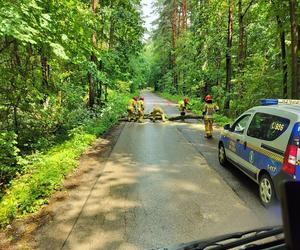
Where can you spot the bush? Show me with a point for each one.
(45, 172)
(8, 156)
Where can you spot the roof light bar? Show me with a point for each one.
(267, 102)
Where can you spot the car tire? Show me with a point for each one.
(222, 155)
(266, 190)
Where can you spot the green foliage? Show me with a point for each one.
(46, 49)
(45, 124)
(45, 172)
(200, 51)
(9, 156)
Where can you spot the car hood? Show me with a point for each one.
(229, 240)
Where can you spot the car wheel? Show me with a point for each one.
(266, 190)
(222, 155)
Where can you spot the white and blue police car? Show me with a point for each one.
(264, 143)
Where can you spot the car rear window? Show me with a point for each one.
(267, 127)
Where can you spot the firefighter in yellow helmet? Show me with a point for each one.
(208, 110)
(141, 109)
(157, 111)
(131, 108)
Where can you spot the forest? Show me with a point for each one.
(69, 67)
(239, 51)
(67, 70)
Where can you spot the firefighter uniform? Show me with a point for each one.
(140, 109)
(131, 108)
(208, 110)
(157, 111)
(182, 107)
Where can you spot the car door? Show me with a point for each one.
(245, 155)
(236, 138)
(265, 145)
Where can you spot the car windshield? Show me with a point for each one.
(138, 124)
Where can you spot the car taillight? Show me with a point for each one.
(290, 159)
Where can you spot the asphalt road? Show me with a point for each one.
(161, 185)
(246, 189)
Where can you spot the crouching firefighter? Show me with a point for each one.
(183, 106)
(131, 108)
(141, 109)
(157, 111)
(208, 110)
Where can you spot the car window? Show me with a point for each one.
(267, 127)
(240, 125)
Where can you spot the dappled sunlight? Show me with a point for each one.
(183, 186)
(155, 190)
(151, 169)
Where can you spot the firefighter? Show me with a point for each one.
(157, 111)
(131, 108)
(208, 110)
(140, 109)
(183, 106)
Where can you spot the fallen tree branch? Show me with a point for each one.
(184, 117)
(172, 118)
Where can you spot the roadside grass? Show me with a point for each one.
(196, 107)
(44, 173)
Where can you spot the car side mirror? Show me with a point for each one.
(227, 127)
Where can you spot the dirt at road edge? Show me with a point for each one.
(21, 233)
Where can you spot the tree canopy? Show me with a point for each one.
(237, 50)
(60, 59)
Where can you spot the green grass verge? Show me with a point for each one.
(44, 173)
(196, 107)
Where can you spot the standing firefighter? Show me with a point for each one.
(208, 110)
(140, 109)
(132, 108)
(183, 106)
(157, 111)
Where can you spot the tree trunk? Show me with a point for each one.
(283, 58)
(91, 90)
(228, 56)
(184, 15)
(174, 38)
(16, 124)
(93, 59)
(294, 49)
(45, 70)
(179, 22)
(241, 46)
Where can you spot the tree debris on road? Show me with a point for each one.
(172, 118)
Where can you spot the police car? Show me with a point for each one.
(264, 143)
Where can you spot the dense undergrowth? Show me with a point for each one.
(43, 173)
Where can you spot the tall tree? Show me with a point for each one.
(184, 17)
(228, 54)
(284, 65)
(94, 60)
(294, 49)
(241, 18)
(174, 40)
